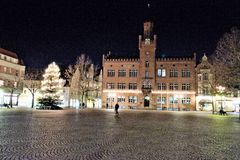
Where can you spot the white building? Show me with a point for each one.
(12, 72)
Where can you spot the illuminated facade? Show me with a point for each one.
(12, 72)
(148, 81)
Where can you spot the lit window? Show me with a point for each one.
(1, 82)
(173, 100)
(161, 72)
(110, 99)
(186, 100)
(132, 99)
(161, 100)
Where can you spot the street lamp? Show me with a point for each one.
(221, 90)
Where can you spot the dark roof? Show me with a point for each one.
(8, 53)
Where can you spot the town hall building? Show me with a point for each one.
(148, 81)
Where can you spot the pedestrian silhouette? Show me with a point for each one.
(116, 108)
(107, 105)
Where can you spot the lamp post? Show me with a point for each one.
(221, 90)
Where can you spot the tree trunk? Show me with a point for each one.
(213, 107)
(32, 100)
(11, 99)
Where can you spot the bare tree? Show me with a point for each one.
(226, 60)
(32, 82)
(14, 87)
(81, 78)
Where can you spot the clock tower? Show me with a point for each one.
(147, 46)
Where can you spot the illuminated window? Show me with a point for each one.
(161, 72)
(173, 100)
(132, 99)
(186, 100)
(110, 99)
(161, 100)
(147, 41)
(1, 82)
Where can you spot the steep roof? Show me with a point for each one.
(8, 53)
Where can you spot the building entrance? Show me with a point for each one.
(146, 101)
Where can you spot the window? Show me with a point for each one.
(186, 100)
(173, 73)
(186, 73)
(161, 100)
(147, 64)
(132, 86)
(205, 76)
(173, 100)
(16, 73)
(110, 99)
(162, 86)
(122, 73)
(132, 99)
(1, 82)
(161, 72)
(121, 86)
(205, 91)
(121, 99)
(146, 74)
(173, 86)
(110, 85)
(133, 73)
(110, 73)
(146, 84)
(186, 86)
(5, 69)
(147, 41)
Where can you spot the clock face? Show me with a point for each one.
(147, 53)
(147, 41)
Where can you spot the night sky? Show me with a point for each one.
(42, 31)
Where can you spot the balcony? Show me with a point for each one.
(146, 90)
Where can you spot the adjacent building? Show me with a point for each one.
(12, 72)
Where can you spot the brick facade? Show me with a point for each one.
(148, 81)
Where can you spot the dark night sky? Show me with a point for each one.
(41, 31)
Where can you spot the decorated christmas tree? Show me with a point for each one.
(51, 86)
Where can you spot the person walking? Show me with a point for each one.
(116, 108)
(107, 105)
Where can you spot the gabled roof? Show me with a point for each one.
(8, 53)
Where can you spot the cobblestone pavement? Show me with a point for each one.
(99, 134)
